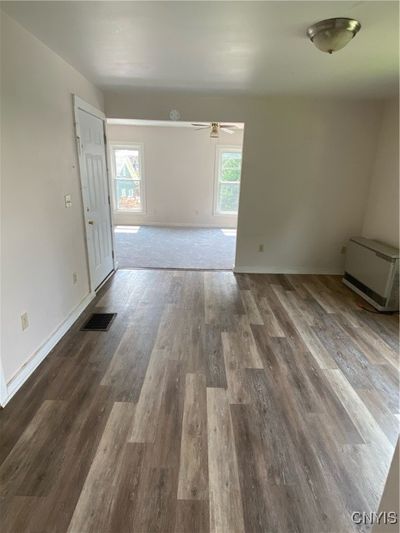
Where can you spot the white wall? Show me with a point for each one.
(381, 221)
(42, 242)
(305, 172)
(179, 173)
(305, 176)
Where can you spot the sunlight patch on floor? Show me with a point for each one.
(229, 232)
(126, 229)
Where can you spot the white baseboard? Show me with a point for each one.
(173, 225)
(285, 270)
(7, 390)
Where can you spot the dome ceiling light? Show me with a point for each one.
(331, 35)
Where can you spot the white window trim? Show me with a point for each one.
(218, 153)
(121, 145)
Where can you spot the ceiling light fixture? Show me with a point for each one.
(333, 34)
(214, 130)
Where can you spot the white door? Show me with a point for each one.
(95, 191)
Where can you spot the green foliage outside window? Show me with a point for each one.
(127, 182)
(229, 181)
(230, 166)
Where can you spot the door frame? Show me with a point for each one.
(80, 104)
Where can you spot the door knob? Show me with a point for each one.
(91, 222)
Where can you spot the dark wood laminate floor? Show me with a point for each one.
(257, 403)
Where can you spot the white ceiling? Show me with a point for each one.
(243, 47)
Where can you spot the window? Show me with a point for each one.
(128, 190)
(229, 162)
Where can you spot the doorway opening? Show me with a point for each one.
(175, 193)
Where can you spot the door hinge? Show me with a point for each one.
(112, 253)
(109, 200)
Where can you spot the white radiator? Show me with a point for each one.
(372, 271)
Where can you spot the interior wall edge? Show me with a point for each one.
(3, 385)
(26, 370)
(381, 212)
(43, 244)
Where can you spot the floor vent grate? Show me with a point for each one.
(99, 322)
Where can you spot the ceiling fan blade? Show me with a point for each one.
(202, 124)
(231, 126)
(226, 130)
(203, 128)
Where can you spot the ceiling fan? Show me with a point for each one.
(215, 127)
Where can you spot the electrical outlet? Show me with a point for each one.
(74, 278)
(260, 247)
(24, 321)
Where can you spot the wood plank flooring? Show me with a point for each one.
(215, 403)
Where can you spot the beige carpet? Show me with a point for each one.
(160, 247)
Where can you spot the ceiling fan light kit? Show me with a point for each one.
(215, 128)
(331, 35)
(214, 134)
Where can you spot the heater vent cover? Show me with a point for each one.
(372, 271)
